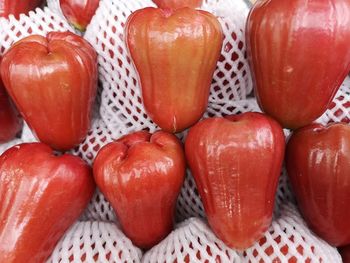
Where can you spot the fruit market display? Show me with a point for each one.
(174, 131)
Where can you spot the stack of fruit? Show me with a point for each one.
(298, 57)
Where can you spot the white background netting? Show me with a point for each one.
(288, 240)
(95, 242)
(120, 111)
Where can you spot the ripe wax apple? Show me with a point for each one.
(79, 12)
(41, 196)
(299, 55)
(175, 53)
(53, 81)
(141, 175)
(318, 165)
(236, 162)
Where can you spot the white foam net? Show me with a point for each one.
(287, 240)
(95, 242)
(339, 110)
(119, 110)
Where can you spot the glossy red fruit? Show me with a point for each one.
(175, 53)
(79, 12)
(299, 54)
(318, 165)
(141, 176)
(176, 4)
(17, 7)
(41, 195)
(345, 254)
(53, 83)
(10, 123)
(236, 162)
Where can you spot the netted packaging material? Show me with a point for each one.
(95, 242)
(192, 241)
(288, 240)
(339, 109)
(54, 5)
(40, 21)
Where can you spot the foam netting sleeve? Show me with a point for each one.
(40, 21)
(287, 240)
(95, 242)
(339, 109)
(54, 6)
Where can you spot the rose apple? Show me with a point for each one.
(318, 165)
(236, 162)
(41, 195)
(141, 175)
(299, 55)
(53, 83)
(79, 12)
(175, 53)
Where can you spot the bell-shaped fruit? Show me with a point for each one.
(318, 165)
(175, 53)
(53, 83)
(299, 55)
(141, 175)
(236, 162)
(41, 196)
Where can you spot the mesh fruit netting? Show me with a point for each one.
(95, 242)
(119, 110)
(287, 240)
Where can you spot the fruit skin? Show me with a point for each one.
(53, 83)
(17, 7)
(345, 254)
(176, 4)
(318, 165)
(236, 162)
(10, 123)
(79, 12)
(175, 53)
(299, 55)
(141, 175)
(41, 195)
